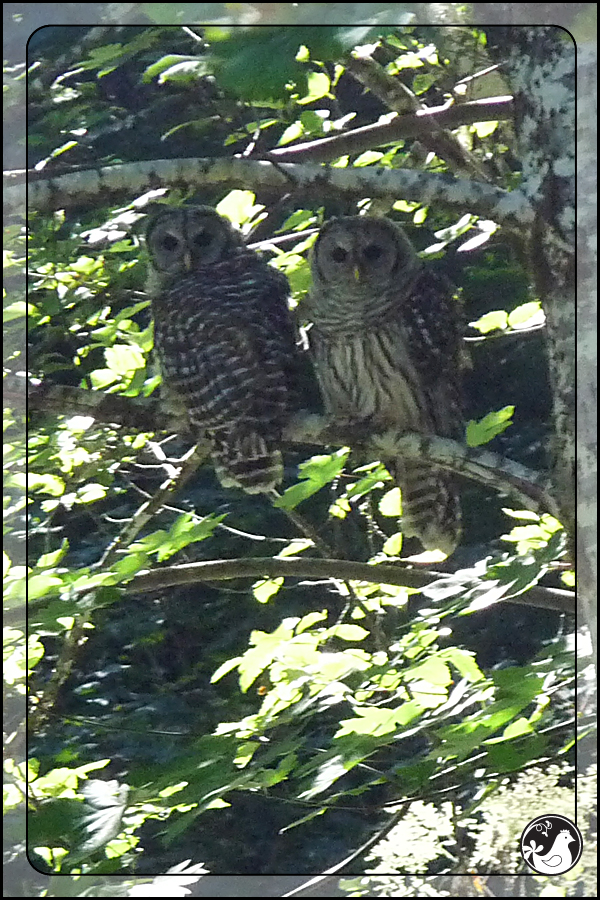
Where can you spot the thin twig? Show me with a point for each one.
(338, 868)
(307, 529)
(177, 478)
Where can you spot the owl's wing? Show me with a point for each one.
(433, 322)
(272, 330)
(219, 371)
(270, 304)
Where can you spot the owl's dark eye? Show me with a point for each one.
(372, 252)
(338, 254)
(170, 242)
(202, 239)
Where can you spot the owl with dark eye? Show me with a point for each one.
(225, 341)
(386, 347)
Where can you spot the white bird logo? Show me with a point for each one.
(557, 860)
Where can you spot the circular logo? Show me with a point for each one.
(551, 845)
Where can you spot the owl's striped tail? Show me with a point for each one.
(246, 460)
(430, 506)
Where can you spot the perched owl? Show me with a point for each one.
(225, 340)
(386, 343)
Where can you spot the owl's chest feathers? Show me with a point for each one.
(356, 310)
(368, 375)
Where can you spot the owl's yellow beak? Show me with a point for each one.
(187, 261)
(356, 273)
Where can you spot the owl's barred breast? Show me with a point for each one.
(224, 338)
(369, 376)
(217, 344)
(385, 344)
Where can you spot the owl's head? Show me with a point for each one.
(180, 241)
(355, 251)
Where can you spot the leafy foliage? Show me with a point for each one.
(322, 703)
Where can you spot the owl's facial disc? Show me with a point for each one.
(357, 262)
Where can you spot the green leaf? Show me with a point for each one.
(527, 315)
(124, 359)
(45, 484)
(258, 64)
(101, 378)
(128, 566)
(89, 493)
(309, 620)
(316, 472)
(298, 545)
(423, 82)
(368, 158)
(291, 133)
(239, 207)
(264, 590)
(534, 536)
(568, 578)
(414, 778)
(302, 218)
(18, 310)
(464, 661)
(313, 120)
(340, 508)
(484, 129)
(377, 476)
(391, 503)
(406, 61)
(393, 545)
(164, 63)
(515, 729)
(510, 757)
(185, 530)
(15, 586)
(348, 632)
(324, 468)
(259, 657)
(434, 671)
(60, 816)
(303, 820)
(86, 582)
(487, 428)
(318, 85)
(35, 651)
(86, 265)
(374, 721)
(405, 206)
(40, 585)
(497, 320)
(224, 669)
(150, 542)
(184, 72)
(47, 560)
(264, 64)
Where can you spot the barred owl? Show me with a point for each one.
(385, 343)
(225, 340)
